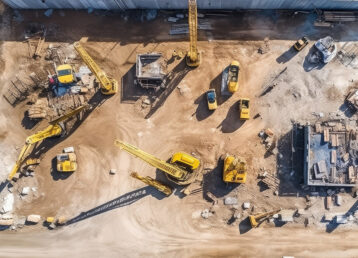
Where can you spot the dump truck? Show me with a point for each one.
(233, 76)
(244, 109)
(235, 169)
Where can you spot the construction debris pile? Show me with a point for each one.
(331, 154)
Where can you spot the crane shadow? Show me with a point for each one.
(332, 225)
(232, 121)
(121, 201)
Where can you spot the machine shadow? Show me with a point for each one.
(287, 56)
(121, 201)
(232, 121)
(202, 112)
(213, 182)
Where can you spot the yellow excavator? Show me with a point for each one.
(152, 182)
(109, 86)
(54, 129)
(193, 58)
(182, 168)
(255, 220)
(235, 169)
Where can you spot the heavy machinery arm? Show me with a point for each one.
(152, 182)
(170, 169)
(109, 86)
(54, 129)
(256, 219)
(193, 56)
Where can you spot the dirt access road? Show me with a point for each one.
(116, 215)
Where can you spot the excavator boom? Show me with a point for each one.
(152, 182)
(54, 129)
(193, 57)
(109, 86)
(170, 169)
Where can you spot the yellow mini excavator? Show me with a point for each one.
(235, 169)
(255, 220)
(152, 182)
(193, 55)
(109, 86)
(54, 129)
(182, 168)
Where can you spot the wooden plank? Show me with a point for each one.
(334, 140)
(318, 128)
(351, 175)
(333, 156)
(326, 135)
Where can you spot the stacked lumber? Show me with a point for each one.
(39, 109)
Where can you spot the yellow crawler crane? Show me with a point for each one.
(152, 182)
(54, 129)
(181, 170)
(109, 86)
(193, 56)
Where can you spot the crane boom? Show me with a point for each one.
(152, 182)
(193, 56)
(170, 169)
(109, 86)
(54, 129)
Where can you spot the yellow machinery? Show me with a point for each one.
(255, 220)
(152, 182)
(244, 109)
(193, 56)
(65, 74)
(66, 162)
(181, 169)
(54, 129)
(109, 86)
(233, 76)
(235, 169)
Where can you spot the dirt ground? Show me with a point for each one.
(115, 215)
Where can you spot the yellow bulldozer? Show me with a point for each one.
(235, 169)
(67, 161)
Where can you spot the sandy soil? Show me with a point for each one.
(138, 221)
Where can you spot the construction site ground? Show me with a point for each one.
(136, 220)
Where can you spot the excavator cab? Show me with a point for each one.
(235, 169)
(185, 159)
(65, 74)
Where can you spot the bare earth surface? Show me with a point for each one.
(138, 221)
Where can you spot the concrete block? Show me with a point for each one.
(25, 190)
(33, 218)
(8, 203)
(246, 205)
(341, 219)
(69, 149)
(230, 201)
